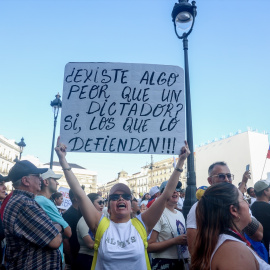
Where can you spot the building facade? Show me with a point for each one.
(149, 176)
(86, 178)
(9, 152)
(105, 188)
(238, 151)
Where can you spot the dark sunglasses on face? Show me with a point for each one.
(115, 197)
(222, 176)
(100, 202)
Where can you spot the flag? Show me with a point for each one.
(268, 153)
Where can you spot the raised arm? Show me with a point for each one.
(245, 178)
(89, 212)
(151, 216)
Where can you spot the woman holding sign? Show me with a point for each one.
(120, 243)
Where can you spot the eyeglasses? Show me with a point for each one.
(115, 197)
(245, 200)
(222, 176)
(100, 202)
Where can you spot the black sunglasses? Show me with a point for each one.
(115, 197)
(100, 202)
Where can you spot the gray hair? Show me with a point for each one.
(17, 183)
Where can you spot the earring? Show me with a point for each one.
(238, 218)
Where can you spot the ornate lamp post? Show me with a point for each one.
(183, 16)
(56, 105)
(21, 144)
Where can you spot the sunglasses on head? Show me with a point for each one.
(100, 202)
(115, 197)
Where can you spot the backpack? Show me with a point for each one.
(103, 226)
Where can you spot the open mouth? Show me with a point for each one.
(121, 206)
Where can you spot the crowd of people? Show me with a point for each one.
(227, 228)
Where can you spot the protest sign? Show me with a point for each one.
(66, 200)
(123, 108)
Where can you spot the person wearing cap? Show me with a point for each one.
(121, 245)
(200, 191)
(219, 172)
(48, 187)
(168, 241)
(154, 193)
(32, 239)
(261, 209)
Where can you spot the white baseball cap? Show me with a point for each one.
(50, 174)
(153, 191)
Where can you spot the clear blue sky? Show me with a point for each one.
(228, 58)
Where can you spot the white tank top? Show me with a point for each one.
(223, 237)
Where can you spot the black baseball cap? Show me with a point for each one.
(3, 178)
(163, 185)
(24, 168)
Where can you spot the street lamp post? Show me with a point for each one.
(56, 105)
(21, 144)
(183, 16)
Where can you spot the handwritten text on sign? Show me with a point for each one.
(123, 108)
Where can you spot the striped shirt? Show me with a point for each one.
(28, 231)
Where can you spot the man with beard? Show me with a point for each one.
(48, 187)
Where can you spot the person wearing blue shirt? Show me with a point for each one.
(48, 187)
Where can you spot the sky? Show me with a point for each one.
(228, 64)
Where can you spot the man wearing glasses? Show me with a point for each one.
(32, 239)
(219, 172)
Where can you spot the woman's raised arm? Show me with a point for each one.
(89, 212)
(151, 216)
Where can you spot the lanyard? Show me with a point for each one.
(240, 236)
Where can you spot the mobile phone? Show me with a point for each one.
(247, 167)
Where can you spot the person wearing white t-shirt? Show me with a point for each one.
(181, 199)
(121, 246)
(219, 172)
(168, 241)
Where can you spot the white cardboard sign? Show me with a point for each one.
(123, 108)
(66, 200)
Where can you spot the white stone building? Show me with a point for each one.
(237, 151)
(85, 177)
(9, 151)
